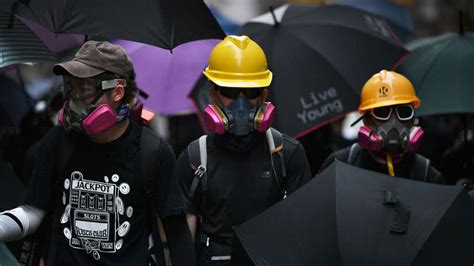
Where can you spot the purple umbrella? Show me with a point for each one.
(167, 77)
(55, 42)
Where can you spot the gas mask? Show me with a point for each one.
(91, 118)
(240, 117)
(390, 133)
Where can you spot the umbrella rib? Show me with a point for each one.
(348, 28)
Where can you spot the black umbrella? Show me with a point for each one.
(352, 216)
(321, 57)
(162, 23)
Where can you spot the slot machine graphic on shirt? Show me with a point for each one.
(95, 213)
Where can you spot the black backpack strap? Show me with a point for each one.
(420, 168)
(149, 149)
(197, 152)
(277, 159)
(353, 153)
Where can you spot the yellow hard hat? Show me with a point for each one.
(238, 62)
(387, 88)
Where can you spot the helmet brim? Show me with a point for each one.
(233, 81)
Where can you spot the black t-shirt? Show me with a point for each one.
(364, 160)
(241, 183)
(100, 200)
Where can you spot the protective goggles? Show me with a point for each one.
(233, 93)
(404, 112)
(79, 89)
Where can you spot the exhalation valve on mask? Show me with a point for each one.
(240, 114)
(240, 117)
(391, 137)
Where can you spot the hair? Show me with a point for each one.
(130, 90)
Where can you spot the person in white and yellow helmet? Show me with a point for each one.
(243, 166)
(389, 139)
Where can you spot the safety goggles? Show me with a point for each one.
(233, 93)
(83, 88)
(404, 112)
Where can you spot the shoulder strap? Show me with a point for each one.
(197, 152)
(149, 148)
(420, 168)
(276, 148)
(353, 153)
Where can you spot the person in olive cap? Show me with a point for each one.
(102, 177)
(243, 166)
(389, 139)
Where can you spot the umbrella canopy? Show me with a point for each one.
(352, 216)
(320, 57)
(19, 44)
(441, 70)
(56, 43)
(157, 22)
(26, 42)
(397, 15)
(167, 77)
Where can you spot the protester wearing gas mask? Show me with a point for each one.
(242, 166)
(101, 178)
(388, 140)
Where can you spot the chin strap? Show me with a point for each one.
(391, 172)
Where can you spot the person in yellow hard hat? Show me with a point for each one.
(389, 139)
(242, 166)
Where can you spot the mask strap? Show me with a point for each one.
(391, 172)
(96, 98)
(358, 119)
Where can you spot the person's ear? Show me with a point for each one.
(118, 93)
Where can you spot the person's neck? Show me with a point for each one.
(111, 134)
